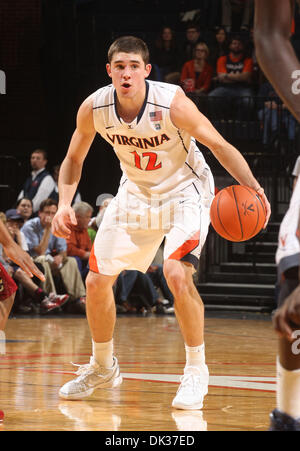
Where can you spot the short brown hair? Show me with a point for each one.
(47, 203)
(42, 151)
(129, 44)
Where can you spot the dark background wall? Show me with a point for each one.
(54, 53)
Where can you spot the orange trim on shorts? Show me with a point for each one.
(186, 247)
(93, 261)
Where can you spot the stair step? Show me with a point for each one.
(237, 301)
(239, 308)
(262, 257)
(272, 227)
(241, 267)
(246, 277)
(261, 246)
(267, 236)
(236, 288)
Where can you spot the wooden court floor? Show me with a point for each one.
(240, 354)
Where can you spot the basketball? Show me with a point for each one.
(237, 213)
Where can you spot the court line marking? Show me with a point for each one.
(245, 382)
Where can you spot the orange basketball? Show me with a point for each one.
(237, 213)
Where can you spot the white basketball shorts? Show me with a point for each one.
(134, 227)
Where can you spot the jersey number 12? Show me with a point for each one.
(151, 164)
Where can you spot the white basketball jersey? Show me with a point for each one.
(155, 156)
(288, 242)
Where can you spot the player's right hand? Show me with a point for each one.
(22, 259)
(267, 205)
(64, 218)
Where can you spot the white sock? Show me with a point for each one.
(195, 357)
(103, 353)
(288, 391)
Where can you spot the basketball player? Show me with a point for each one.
(273, 20)
(153, 128)
(8, 287)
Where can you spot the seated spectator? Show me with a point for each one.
(237, 15)
(79, 244)
(274, 116)
(14, 222)
(234, 76)
(156, 274)
(46, 304)
(257, 74)
(134, 293)
(61, 272)
(196, 74)
(54, 194)
(24, 207)
(192, 37)
(40, 184)
(102, 203)
(164, 57)
(218, 47)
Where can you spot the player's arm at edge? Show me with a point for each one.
(185, 115)
(71, 167)
(17, 254)
(274, 51)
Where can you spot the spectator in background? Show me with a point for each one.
(61, 272)
(25, 208)
(135, 292)
(102, 202)
(237, 15)
(14, 222)
(79, 244)
(234, 77)
(218, 47)
(40, 184)
(192, 37)
(54, 193)
(257, 74)
(273, 115)
(165, 57)
(165, 304)
(196, 74)
(8, 287)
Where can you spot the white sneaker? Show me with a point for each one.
(90, 377)
(193, 387)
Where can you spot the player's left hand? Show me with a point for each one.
(287, 317)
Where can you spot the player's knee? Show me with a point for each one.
(98, 285)
(176, 277)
